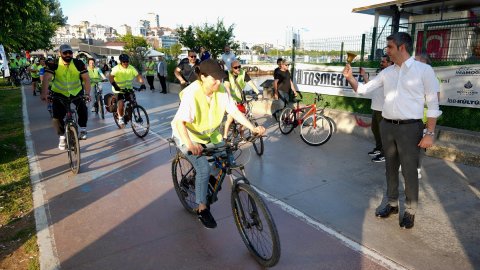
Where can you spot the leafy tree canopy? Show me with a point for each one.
(213, 37)
(136, 48)
(29, 24)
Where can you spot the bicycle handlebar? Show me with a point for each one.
(232, 146)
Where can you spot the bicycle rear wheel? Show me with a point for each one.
(286, 120)
(183, 176)
(140, 121)
(316, 130)
(255, 225)
(73, 148)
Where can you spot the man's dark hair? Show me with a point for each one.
(279, 60)
(400, 38)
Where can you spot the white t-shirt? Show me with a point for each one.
(228, 59)
(187, 110)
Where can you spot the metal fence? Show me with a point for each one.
(445, 40)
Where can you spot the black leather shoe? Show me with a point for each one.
(386, 211)
(407, 220)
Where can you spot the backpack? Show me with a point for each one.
(109, 101)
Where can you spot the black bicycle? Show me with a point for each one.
(72, 143)
(252, 217)
(98, 105)
(134, 113)
(237, 132)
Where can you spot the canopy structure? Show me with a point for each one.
(154, 53)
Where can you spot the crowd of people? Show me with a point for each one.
(212, 88)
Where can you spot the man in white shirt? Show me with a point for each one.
(407, 85)
(227, 58)
(162, 74)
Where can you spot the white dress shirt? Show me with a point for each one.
(405, 90)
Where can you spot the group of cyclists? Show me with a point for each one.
(203, 104)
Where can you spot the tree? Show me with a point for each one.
(258, 49)
(29, 24)
(136, 48)
(213, 37)
(175, 50)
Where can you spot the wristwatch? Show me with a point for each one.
(431, 133)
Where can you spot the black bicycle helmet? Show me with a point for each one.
(123, 57)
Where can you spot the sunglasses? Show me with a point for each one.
(237, 67)
(192, 56)
(67, 52)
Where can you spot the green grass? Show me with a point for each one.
(16, 202)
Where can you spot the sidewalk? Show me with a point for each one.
(121, 212)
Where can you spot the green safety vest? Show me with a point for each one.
(237, 93)
(37, 68)
(67, 80)
(150, 65)
(208, 117)
(123, 77)
(94, 75)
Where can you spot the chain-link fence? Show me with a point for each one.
(445, 40)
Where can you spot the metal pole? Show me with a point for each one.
(362, 51)
(374, 38)
(341, 53)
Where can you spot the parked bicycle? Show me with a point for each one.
(134, 113)
(72, 143)
(98, 102)
(252, 217)
(315, 127)
(237, 132)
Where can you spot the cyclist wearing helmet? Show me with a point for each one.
(121, 79)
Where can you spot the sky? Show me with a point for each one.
(255, 21)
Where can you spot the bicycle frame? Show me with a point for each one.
(312, 108)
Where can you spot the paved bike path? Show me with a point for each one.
(121, 211)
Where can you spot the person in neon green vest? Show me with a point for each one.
(202, 107)
(70, 79)
(96, 76)
(237, 80)
(35, 72)
(150, 72)
(121, 79)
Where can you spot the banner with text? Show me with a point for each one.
(459, 85)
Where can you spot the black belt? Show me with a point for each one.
(400, 122)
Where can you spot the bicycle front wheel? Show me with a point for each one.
(115, 118)
(286, 120)
(73, 148)
(140, 121)
(258, 143)
(255, 225)
(316, 130)
(183, 176)
(100, 108)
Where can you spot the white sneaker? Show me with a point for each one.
(93, 109)
(120, 121)
(61, 143)
(419, 173)
(83, 134)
